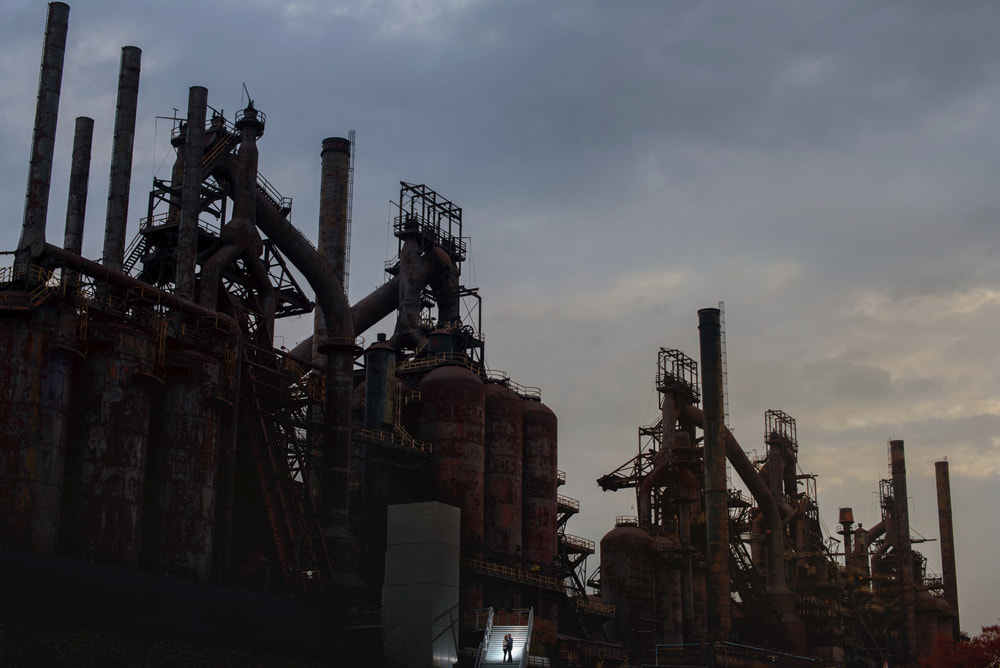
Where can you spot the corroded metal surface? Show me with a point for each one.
(34, 401)
(183, 465)
(504, 443)
(44, 138)
(540, 482)
(121, 157)
(452, 418)
(106, 450)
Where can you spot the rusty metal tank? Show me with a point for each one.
(669, 613)
(504, 443)
(106, 452)
(452, 419)
(34, 404)
(628, 581)
(183, 466)
(540, 482)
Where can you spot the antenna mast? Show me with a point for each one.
(350, 205)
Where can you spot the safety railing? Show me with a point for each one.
(567, 504)
(523, 391)
(485, 644)
(578, 543)
(594, 606)
(527, 639)
(514, 574)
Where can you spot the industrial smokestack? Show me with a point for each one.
(187, 234)
(716, 511)
(36, 204)
(79, 176)
(945, 529)
(121, 158)
(336, 161)
(901, 517)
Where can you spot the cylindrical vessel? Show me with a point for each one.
(183, 466)
(106, 452)
(539, 498)
(380, 386)
(669, 597)
(504, 444)
(628, 581)
(452, 419)
(34, 404)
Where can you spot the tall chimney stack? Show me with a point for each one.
(43, 140)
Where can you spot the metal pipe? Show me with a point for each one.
(76, 205)
(121, 158)
(339, 349)
(761, 494)
(380, 380)
(901, 517)
(947, 535)
(43, 139)
(332, 243)
(193, 152)
(716, 510)
(382, 301)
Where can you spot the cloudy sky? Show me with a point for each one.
(829, 170)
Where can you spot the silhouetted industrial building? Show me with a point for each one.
(177, 490)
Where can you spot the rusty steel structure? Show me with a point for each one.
(791, 596)
(151, 429)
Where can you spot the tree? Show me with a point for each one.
(983, 651)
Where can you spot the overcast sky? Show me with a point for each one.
(829, 170)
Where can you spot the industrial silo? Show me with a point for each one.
(540, 480)
(106, 452)
(452, 419)
(183, 466)
(34, 403)
(504, 443)
(628, 581)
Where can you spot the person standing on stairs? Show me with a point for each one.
(508, 648)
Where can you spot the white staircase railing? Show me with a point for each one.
(485, 644)
(527, 639)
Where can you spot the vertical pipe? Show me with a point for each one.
(380, 381)
(43, 139)
(716, 511)
(332, 243)
(902, 522)
(76, 206)
(121, 158)
(945, 528)
(194, 149)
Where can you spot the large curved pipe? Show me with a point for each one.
(339, 322)
(379, 303)
(758, 489)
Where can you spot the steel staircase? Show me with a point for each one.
(491, 650)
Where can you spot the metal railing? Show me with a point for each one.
(485, 644)
(527, 639)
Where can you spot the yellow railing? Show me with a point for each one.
(514, 574)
